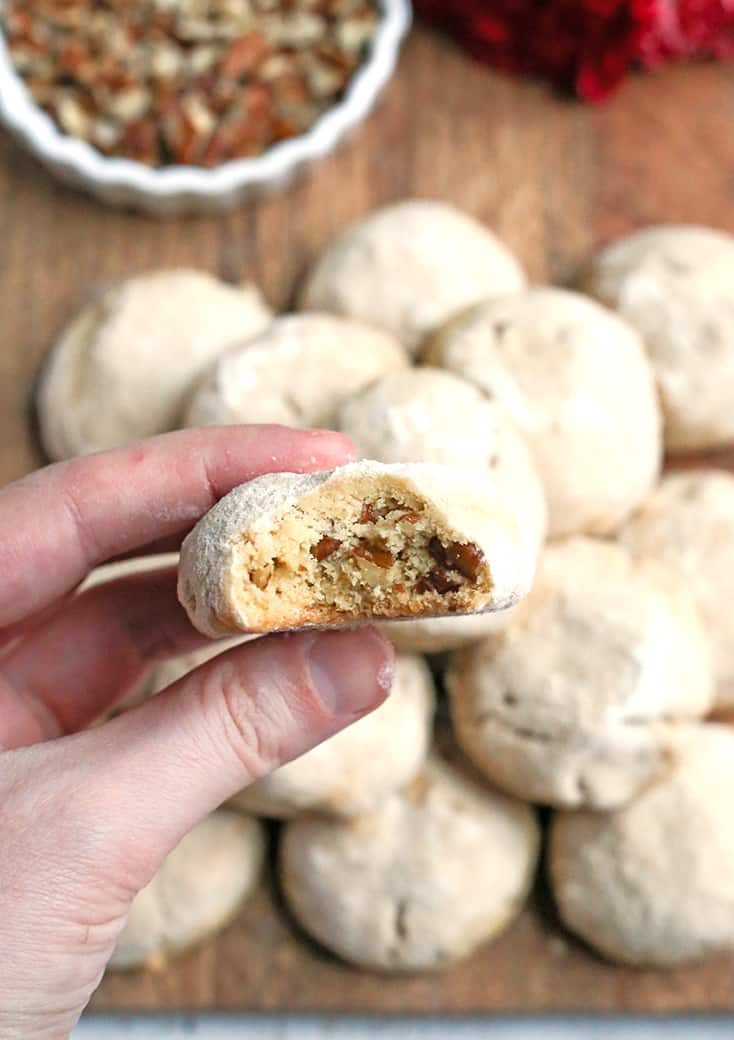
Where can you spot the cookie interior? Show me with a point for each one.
(367, 548)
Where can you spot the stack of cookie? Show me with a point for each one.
(419, 337)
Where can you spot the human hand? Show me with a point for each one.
(88, 815)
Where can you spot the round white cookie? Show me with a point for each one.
(689, 523)
(575, 380)
(198, 890)
(576, 702)
(123, 369)
(357, 769)
(676, 285)
(296, 372)
(122, 569)
(433, 872)
(409, 267)
(653, 884)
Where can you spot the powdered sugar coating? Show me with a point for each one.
(653, 883)
(688, 522)
(577, 701)
(123, 368)
(434, 871)
(676, 286)
(296, 372)
(409, 267)
(575, 381)
(197, 890)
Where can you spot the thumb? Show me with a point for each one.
(157, 770)
(88, 819)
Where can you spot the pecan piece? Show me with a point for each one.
(368, 515)
(244, 55)
(376, 554)
(465, 557)
(325, 547)
(438, 580)
(437, 550)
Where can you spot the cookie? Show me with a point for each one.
(575, 381)
(676, 286)
(409, 267)
(122, 569)
(428, 415)
(357, 769)
(296, 372)
(437, 635)
(653, 884)
(420, 882)
(364, 541)
(197, 891)
(689, 523)
(123, 369)
(576, 702)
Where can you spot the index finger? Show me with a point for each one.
(59, 522)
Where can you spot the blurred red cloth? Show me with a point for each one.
(585, 46)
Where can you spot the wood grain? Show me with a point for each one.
(554, 179)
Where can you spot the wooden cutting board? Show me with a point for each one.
(554, 179)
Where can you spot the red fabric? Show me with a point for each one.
(685, 28)
(585, 46)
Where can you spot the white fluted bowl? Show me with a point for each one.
(191, 189)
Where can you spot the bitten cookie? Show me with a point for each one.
(409, 267)
(676, 285)
(364, 541)
(689, 523)
(123, 368)
(357, 769)
(296, 372)
(198, 890)
(653, 884)
(575, 380)
(576, 702)
(433, 872)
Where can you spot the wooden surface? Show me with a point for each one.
(554, 179)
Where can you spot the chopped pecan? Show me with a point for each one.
(437, 580)
(368, 515)
(119, 64)
(465, 557)
(325, 547)
(377, 554)
(437, 550)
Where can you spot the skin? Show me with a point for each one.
(88, 815)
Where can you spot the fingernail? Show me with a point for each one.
(351, 672)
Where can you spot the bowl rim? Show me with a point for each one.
(20, 114)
